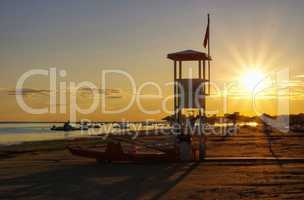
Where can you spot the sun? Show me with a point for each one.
(250, 79)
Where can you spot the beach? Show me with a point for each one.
(236, 167)
(148, 100)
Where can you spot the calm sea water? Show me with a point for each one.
(13, 133)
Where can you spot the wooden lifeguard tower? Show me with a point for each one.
(190, 93)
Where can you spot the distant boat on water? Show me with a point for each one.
(68, 127)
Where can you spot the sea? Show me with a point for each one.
(15, 133)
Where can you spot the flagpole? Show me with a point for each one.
(208, 35)
(209, 53)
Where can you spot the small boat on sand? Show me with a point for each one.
(115, 153)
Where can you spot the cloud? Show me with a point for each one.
(28, 92)
(101, 91)
(109, 93)
(45, 92)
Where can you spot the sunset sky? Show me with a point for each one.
(249, 38)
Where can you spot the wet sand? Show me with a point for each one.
(56, 174)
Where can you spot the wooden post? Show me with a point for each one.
(180, 69)
(208, 77)
(175, 85)
(179, 94)
(204, 99)
(204, 77)
(200, 109)
(199, 69)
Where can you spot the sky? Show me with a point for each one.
(86, 37)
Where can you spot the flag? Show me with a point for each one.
(206, 39)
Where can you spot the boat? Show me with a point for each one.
(68, 127)
(114, 153)
(60, 128)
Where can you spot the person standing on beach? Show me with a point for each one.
(203, 141)
(267, 130)
(184, 141)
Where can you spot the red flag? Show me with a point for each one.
(206, 39)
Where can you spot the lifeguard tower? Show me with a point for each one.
(190, 93)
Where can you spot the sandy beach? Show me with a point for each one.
(235, 168)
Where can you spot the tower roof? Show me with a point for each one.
(188, 55)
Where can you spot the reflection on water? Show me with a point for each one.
(252, 124)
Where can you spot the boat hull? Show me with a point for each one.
(103, 156)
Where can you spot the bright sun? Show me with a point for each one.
(250, 79)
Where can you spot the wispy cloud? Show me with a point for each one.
(28, 91)
(109, 93)
(101, 91)
(83, 92)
